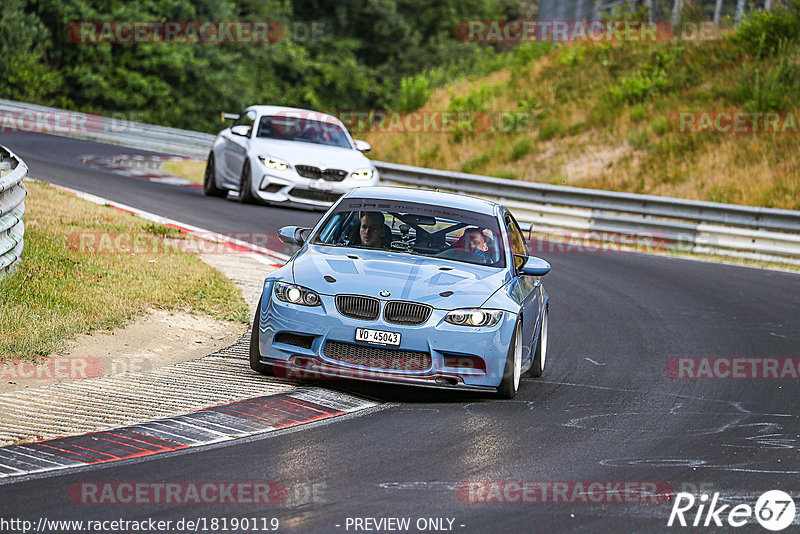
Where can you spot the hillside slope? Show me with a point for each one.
(666, 118)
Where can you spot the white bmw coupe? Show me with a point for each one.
(273, 154)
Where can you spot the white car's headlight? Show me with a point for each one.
(296, 294)
(362, 174)
(474, 317)
(274, 163)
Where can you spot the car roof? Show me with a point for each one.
(423, 196)
(296, 112)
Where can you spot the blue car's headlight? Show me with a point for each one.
(295, 294)
(274, 163)
(474, 317)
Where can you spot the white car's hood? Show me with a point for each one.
(299, 153)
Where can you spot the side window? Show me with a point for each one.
(246, 119)
(517, 241)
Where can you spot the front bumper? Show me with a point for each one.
(288, 186)
(447, 346)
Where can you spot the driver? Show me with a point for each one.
(475, 242)
(372, 230)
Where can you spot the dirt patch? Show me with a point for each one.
(157, 339)
(594, 163)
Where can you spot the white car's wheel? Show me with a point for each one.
(210, 182)
(245, 193)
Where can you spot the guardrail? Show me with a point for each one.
(12, 208)
(23, 117)
(695, 226)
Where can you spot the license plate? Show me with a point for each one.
(378, 337)
(321, 185)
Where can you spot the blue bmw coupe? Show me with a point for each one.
(410, 287)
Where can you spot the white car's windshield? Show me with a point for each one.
(418, 229)
(288, 128)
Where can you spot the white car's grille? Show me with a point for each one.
(315, 173)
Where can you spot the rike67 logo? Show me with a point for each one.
(774, 510)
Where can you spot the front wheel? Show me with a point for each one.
(245, 194)
(255, 353)
(537, 367)
(513, 369)
(210, 188)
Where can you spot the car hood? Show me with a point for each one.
(298, 153)
(406, 277)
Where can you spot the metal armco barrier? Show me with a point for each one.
(12, 208)
(23, 117)
(690, 225)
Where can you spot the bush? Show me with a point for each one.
(647, 81)
(476, 164)
(639, 87)
(660, 126)
(549, 129)
(520, 149)
(771, 87)
(414, 92)
(762, 32)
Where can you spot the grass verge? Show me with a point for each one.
(191, 170)
(63, 288)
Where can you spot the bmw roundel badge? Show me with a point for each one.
(385, 293)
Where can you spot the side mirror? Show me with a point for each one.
(533, 266)
(293, 235)
(229, 116)
(241, 129)
(526, 229)
(362, 146)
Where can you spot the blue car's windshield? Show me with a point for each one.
(288, 128)
(421, 229)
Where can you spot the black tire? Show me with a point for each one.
(245, 194)
(209, 180)
(510, 383)
(540, 356)
(255, 354)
